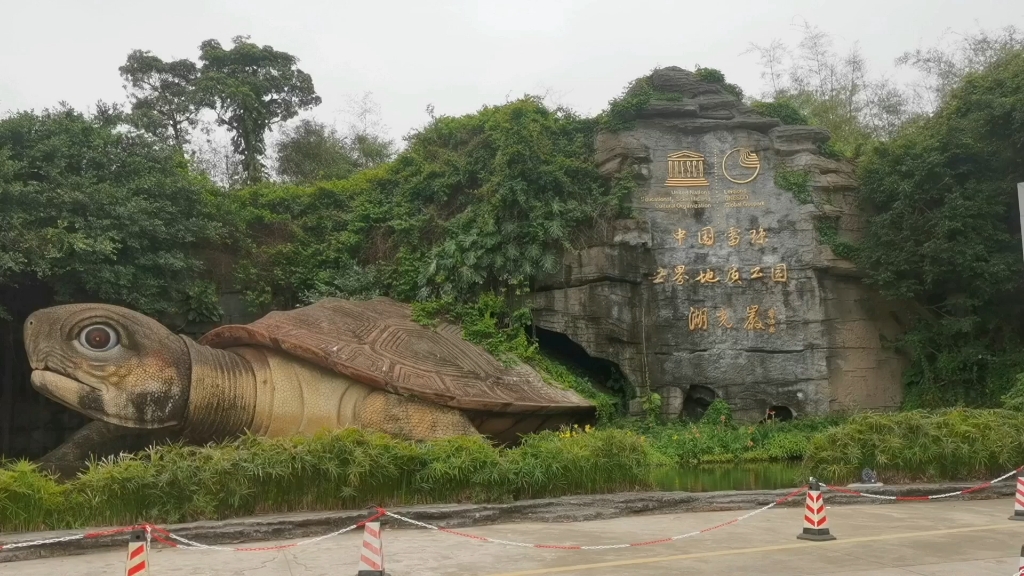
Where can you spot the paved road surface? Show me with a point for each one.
(905, 539)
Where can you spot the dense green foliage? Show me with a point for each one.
(944, 235)
(910, 446)
(347, 469)
(311, 152)
(475, 203)
(92, 212)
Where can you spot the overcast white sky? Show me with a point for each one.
(456, 54)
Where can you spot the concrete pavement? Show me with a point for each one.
(971, 538)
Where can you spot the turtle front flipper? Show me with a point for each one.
(99, 439)
(411, 418)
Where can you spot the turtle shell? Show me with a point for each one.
(377, 342)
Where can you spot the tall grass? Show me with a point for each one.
(958, 444)
(347, 469)
(715, 439)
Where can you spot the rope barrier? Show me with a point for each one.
(789, 496)
(970, 490)
(173, 540)
(170, 539)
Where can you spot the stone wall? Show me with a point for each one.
(721, 285)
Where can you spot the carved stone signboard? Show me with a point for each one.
(721, 286)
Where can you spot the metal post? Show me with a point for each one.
(1020, 207)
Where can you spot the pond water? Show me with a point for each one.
(767, 476)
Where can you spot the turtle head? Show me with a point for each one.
(109, 363)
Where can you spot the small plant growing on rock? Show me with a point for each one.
(718, 413)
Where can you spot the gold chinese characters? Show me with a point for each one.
(733, 275)
(698, 319)
(706, 236)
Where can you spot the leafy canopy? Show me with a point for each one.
(92, 211)
(251, 88)
(474, 203)
(945, 234)
(312, 151)
(162, 95)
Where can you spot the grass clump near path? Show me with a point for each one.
(346, 469)
(716, 439)
(955, 444)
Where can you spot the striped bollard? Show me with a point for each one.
(815, 521)
(371, 554)
(1018, 498)
(1021, 564)
(138, 556)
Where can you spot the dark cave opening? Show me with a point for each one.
(697, 401)
(779, 413)
(605, 374)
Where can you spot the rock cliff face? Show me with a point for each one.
(724, 285)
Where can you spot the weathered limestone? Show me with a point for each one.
(783, 322)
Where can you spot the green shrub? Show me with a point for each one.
(346, 469)
(714, 440)
(784, 110)
(718, 412)
(955, 444)
(1014, 399)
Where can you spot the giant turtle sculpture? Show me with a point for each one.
(333, 364)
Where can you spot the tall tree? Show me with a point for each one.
(162, 95)
(251, 88)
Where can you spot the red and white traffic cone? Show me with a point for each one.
(815, 521)
(138, 554)
(1021, 569)
(1018, 498)
(371, 554)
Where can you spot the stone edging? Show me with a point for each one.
(565, 509)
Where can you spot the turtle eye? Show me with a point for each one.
(98, 338)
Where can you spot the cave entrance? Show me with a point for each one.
(779, 413)
(697, 401)
(605, 374)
